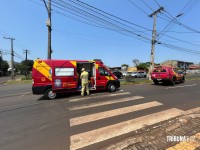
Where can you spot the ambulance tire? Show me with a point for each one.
(112, 87)
(50, 95)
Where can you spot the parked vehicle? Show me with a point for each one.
(167, 74)
(124, 74)
(118, 74)
(138, 74)
(182, 72)
(61, 76)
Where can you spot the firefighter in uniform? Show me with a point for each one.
(84, 80)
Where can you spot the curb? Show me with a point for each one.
(2, 82)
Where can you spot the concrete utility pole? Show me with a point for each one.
(48, 23)
(1, 67)
(26, 52)
(153, 42)
(1, 55)
(12, 57)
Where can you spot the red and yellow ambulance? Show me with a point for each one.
(51, 77)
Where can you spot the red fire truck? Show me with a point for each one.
(51, 77)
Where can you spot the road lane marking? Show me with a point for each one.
(99, 96)
(112, 113)
(102, 103)
(174, 87)
(98, 135)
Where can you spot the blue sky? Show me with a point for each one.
(25, 20)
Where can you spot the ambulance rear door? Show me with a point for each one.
(65, 78)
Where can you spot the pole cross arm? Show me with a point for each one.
(157, 11)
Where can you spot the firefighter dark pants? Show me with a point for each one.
(85, 87)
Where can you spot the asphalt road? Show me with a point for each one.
(4, 78)
(70, 122)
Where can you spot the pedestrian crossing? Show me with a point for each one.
(112, 120)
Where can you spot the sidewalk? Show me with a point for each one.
(181, 133)
(7, 78)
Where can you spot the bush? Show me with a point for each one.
(129, 78)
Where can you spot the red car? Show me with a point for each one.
(167, 74)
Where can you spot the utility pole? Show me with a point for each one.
(26, 52)
(153, 42)
(199, 67)
(12, 57)
(1, 55)
(1, 67)
(48, 23)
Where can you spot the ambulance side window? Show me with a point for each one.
(64, 72)
(103, 72)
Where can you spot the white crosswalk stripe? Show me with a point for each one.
(93, 136)
(111, 113)
(99, 96)
(106, 102)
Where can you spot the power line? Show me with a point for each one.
(100, 18)
(111, 15)
(105, 22)
(176, 39)
(180, 48)
(147, 5)
(174, 19)
(166, 26)
(138, 7)
(18, 56)
(157, 3)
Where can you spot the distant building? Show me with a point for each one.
(131, 69)
(177, 64)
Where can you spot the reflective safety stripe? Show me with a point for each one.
(73, 63)
(43, 68)
(109, 78)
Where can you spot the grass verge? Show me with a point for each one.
(22, 80)
(135, 82)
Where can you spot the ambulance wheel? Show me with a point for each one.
(50, 94)
(111, 87)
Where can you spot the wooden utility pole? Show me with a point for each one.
(12, 57)
(26, 52)
(153, 42)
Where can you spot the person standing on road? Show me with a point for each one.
(84, 80)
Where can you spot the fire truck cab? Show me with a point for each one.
(51, 77)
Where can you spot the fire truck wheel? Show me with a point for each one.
(50, 94)
(111, 87)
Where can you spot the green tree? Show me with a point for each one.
(143, 66)
(136, 62)
(125, 65)
(25, 66)
(3, 65)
